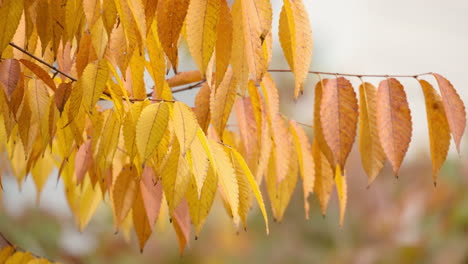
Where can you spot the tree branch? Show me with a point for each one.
(42, 61)
(359, 75)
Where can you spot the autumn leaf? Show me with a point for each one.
(39, 72)
(296, 40)
(221, 102)
(9, 75)
(438, 126)
(201, 21)
(10, 15)
(393, 121)
(150, 128)
(372, 155)
(454, 109)
(94, 80)
(185, 125)
(338, 116)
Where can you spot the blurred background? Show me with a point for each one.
(394, 221)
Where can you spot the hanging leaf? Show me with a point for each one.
(296, 40)
(221, 102)
(338, 116)
(39, 72)
(342, 190)
(10, 15)
(170, 16)
(372, 155)
(323, 177)
(223, 46)
(152, 194)
(185, 125)
(93, 81)
(454, 109)
(202, 18)
(62, 94)
(9, 75)
(123, 193)
(306, 161)
(150, 128)
(438, 126)
(393, 121)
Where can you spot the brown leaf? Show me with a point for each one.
(439, 131)
(62, 94)
(39, 72)
(339, 114)
(202, 106)
(393, 121)
(454, 109)
(9, 75)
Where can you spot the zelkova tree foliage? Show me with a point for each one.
(152, 157)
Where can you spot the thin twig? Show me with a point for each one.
(195, 85)
(360, 75)
(41, 61)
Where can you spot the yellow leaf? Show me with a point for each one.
(170, 16)
(10, 16)
(243, 171)
(296, 40)
(439, 130)
(109, 141)
(372, 155)
(5, 253)
(342, 190)
(99, 38)
(247, 50)
(93, 83)
(265, 151)
(123, 193)
(226, 177)
(200, 202)
(280, 192)
(73, 17)
(175, 175)
(88, 200)
(150, 128)
(198, 161)
(185, 125)
(19, 258)
(306, 161)
(201, 21)
(221, 102)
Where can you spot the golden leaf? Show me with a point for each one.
(393, 121)
(372, 155)
(201, 21)
(185, 125)
(296, 40)
(244, 172)
(438, 126)
(306, 161)
(221, 102)
(342, 190)
(141, 223)
(93, 83)
(10, 16)
(454, 109)
(150, 128)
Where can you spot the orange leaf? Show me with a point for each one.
(339, 114)
(181, 222)
(151, 193)
(143, 227)
(183, 78)
(39, 72)
(202, 106)
(454, 109)
(318, 132)
(393, 121)
(323, 177)
(439, 132)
